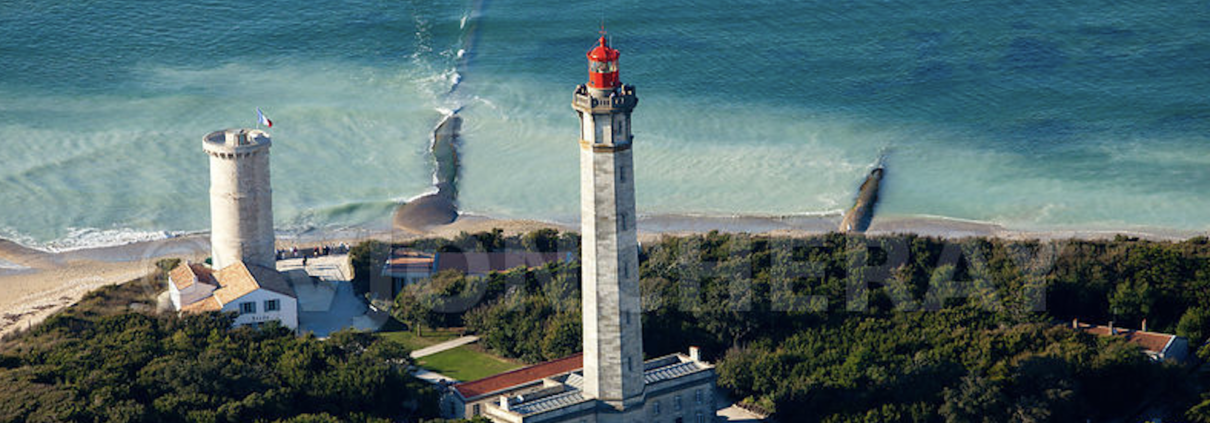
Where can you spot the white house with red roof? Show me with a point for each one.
(257, 294)
(1158, 346)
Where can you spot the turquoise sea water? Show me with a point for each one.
(1033, 115)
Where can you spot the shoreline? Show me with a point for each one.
(16, 257)
(36, 283)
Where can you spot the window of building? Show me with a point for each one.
(676, 402)
(622, 221)
(700, 417)
(475, 410)
(248, 307)
(628, 366)
(697, 396)
(622, 174)
(656, 408)
(272, 305)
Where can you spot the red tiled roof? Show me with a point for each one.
(182, 276)
(203, 305)
(520, 376)
(240, 279)
(1150, 341)
(406, 261)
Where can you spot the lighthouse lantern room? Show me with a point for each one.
(603, 66)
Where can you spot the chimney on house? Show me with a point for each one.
(1075, 323)
(1144, 328)
(695, 353)
(504, 402)
(1112, 330)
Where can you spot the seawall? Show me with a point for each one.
(858, 218)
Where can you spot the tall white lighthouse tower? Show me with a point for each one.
(241, 199)
(613, 335)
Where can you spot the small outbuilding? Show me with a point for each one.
(1158, 346)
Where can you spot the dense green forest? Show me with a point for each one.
(839, 328)
(830, 328)
(110, 358)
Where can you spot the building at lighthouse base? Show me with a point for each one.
(256, 294)
(678, 388)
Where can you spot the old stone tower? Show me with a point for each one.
(613, 342)
(241, 199)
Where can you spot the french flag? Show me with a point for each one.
(260, 117)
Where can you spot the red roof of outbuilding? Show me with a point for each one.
(183, 275)
(1150, 341)
(404, 260)
(520, 376)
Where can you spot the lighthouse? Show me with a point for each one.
(609, 382)
(613, 341)
(241, 199)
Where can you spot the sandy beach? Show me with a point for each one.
(36, 283)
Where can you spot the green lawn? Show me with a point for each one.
(413, 342)
(466, 363)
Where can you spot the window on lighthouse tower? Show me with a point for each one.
(603, 67)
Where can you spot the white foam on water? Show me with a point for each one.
(87, 238)
(343, 134)
(522, 158)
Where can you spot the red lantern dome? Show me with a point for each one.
(603, 66)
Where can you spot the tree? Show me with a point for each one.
(541, 240)
(1194, 325)
(563, 335)
(976, 399)
(1199, 413)
(1132, 301)
(92, 363)
(367, 259)
(415, 306)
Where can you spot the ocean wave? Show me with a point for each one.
(432, 190)
(90, 238)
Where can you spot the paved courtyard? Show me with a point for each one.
(326, 301)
